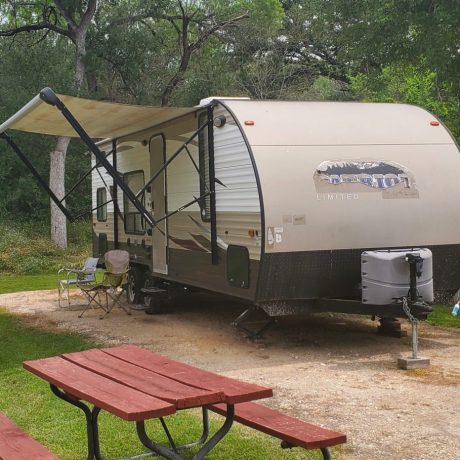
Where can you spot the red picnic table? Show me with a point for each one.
(137, 385)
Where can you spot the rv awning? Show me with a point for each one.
(101, 120)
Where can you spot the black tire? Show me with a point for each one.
(133, 288)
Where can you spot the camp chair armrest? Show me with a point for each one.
(70, 271)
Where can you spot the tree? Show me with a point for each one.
(71, 20)
(170, 33)
(286, 59)
(377, 38)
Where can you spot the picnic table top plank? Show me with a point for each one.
(282, 426)
(235, 391)
(146, 381)
(15, 444)
(127, 403)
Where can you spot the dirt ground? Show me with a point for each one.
(332, 370)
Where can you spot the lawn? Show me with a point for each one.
(18, 283)
(28, 401)
(442, 316)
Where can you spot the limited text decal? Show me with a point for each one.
(358, 176)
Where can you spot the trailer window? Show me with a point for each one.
(101, 203)
(203, 149)
(134, 223)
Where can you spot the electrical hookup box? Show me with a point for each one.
(385, 275)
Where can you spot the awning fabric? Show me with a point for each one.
(101, 120)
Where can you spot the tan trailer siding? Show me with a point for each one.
(313, 161)
(339, 219)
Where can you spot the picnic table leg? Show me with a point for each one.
(154, 447)
(198, 442)
(224, 429)
(92, 430)
(172, 453)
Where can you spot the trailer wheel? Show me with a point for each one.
(133, 288)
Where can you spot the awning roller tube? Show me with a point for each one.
(21, 113)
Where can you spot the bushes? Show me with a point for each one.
(25, 247)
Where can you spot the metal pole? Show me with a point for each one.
(414, 339)
(37, 176)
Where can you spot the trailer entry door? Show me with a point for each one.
(159, 205)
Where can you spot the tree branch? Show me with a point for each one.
(33, 28)
(65, 12)
(220, 26)
(88, 15)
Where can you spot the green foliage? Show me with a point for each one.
(412, 85)
(379, 42)
(25, 247)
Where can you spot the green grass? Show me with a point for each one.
(28, 401)
(18, 283)
(442, 316)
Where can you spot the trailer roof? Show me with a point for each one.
(336, 123)
(100, 120)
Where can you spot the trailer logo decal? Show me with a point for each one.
(355, 176)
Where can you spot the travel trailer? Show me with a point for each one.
(289, 206)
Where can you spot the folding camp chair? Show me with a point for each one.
(111, 288)
(72, 277)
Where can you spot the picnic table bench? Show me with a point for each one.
(137, 385)
(292, 431)
(16, 444)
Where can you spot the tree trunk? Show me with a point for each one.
(58, 155)
(57, 185)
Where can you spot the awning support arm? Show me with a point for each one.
(36, 174)
(82, 178)
(48, 96)
(94, 209)
(168, 162)
(167, 216)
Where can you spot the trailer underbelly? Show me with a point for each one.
(337, 273)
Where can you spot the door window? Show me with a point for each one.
(134, 223)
